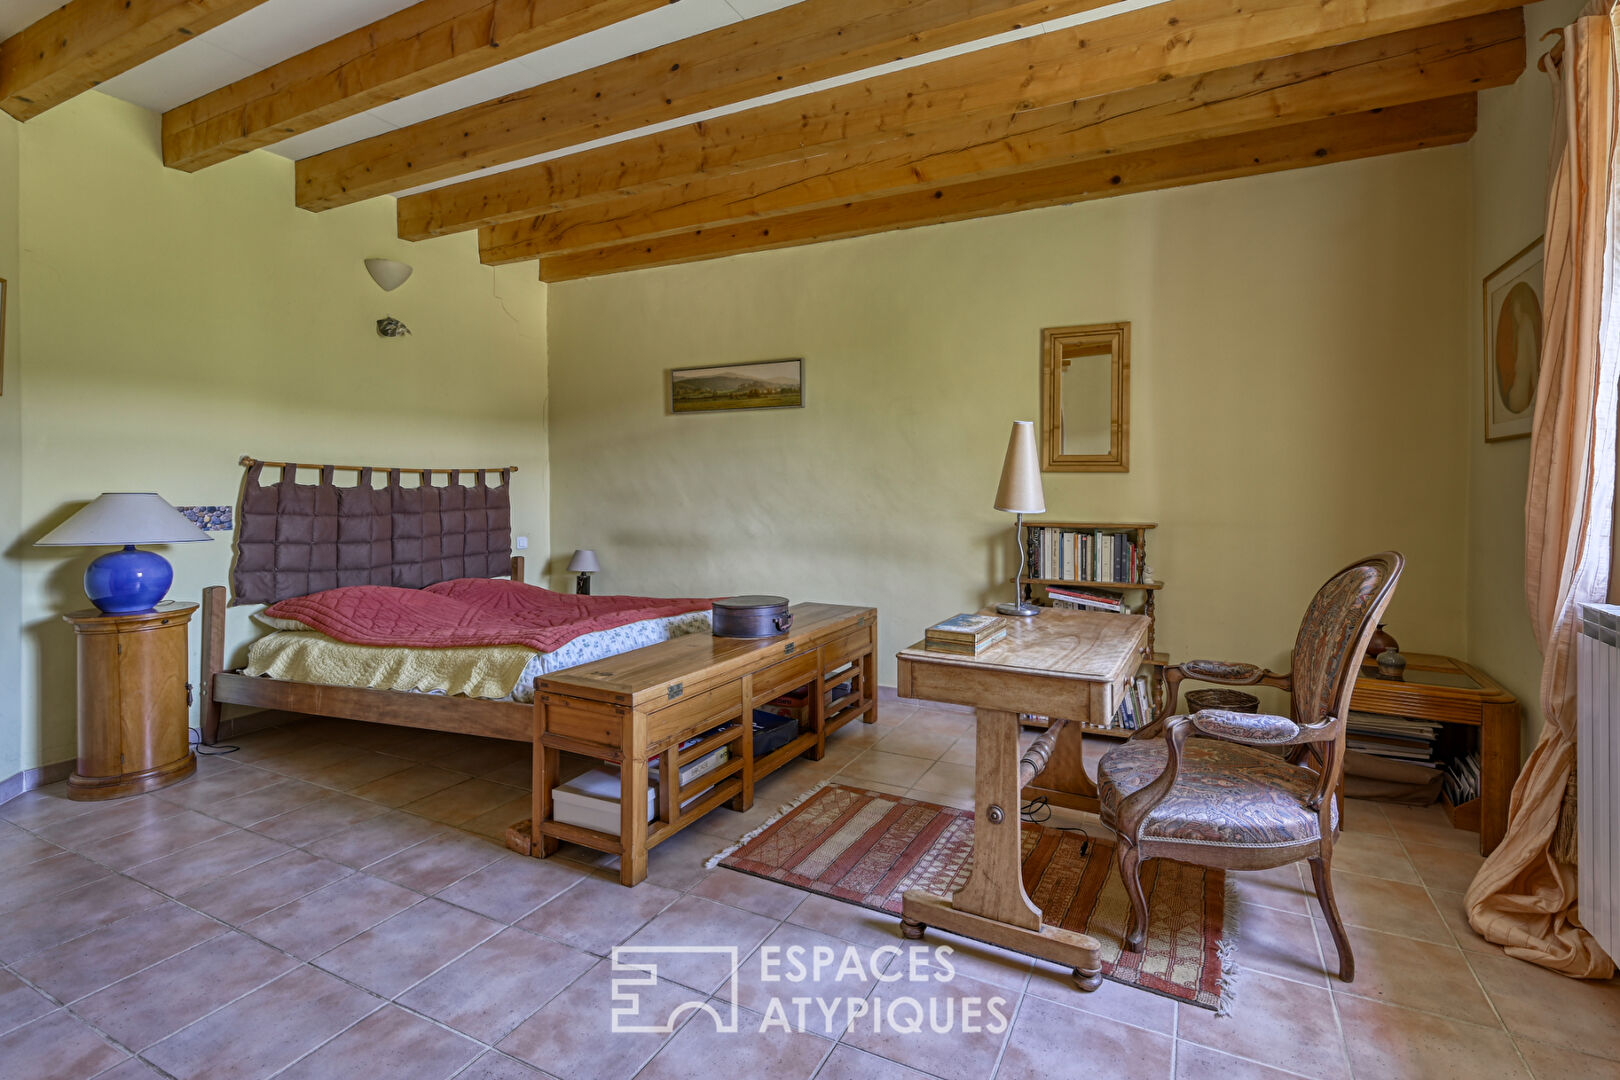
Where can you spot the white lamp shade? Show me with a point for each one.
(124, 517)
(388, 273)
(583, 562)
(1020, 490)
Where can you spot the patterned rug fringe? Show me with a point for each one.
(1226, 948)
(781, 812)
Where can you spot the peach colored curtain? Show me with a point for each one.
(1524, 898)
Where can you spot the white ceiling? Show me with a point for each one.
(278, 29)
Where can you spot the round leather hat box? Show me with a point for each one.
(751, 616)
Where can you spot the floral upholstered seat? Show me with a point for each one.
(1225, 794)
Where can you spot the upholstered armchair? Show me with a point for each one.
(1210, 788)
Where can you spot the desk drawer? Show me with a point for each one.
(851, 646)
(585, 721)
(693, 714)
(790, 674)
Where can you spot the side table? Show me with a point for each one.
(133, 696)
(1450, 691)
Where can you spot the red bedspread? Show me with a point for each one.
(470, 611)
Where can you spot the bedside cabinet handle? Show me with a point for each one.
(188, 694)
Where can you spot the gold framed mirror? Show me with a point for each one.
(1086, 398)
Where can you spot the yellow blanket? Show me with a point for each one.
(484, 671)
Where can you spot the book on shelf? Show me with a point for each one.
(1462, 779)
(1085, 598)
(1103, 556)
(1397, 738)
(965, 628)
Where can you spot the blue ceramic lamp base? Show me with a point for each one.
(127, 581)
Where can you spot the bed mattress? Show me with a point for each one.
(493, 672)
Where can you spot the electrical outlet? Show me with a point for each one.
(521, 543)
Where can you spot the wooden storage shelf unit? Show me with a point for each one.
(636, 708)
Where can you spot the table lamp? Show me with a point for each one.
(1020, 493)
(584, 564)
(131, 580)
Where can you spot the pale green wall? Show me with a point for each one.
(11, 748)
(174, 322)
(1509, 166)
(1294, 404)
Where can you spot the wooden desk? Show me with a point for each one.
(1440, 688)
(1072, 665)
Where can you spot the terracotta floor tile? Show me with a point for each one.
(847, 921)
(1456, 916)
(964, 751)
(401, 951)
(130, 1069)
(1556, 1063)
(106, 820)
(45, 878)
(181, 829)
(202, 791)
(58, 1044)
(388, 1043)
(495, 1065)
(1428, 825)
(308, 762)
(1445, 868)
(700, 1052)
(432, 746)
(20, 1003)
(1194, 1062)
(184, 870)
(86, 964)
(1366, 817)
(437, 862)
(571, 1037)
(1418, 975)
(512, 886)
(486, 756)
(999, 967)
(598, 913)
(693, 921)
(1089, 1046)
(1575, 1014)
(959, 799)
(498, 985)
(267, 802)
(948, 723)
(677, 863)
(928, 745)
(65, 916)
(162, 999)
(771, 899)
(1282, 888)
(376, 839)
(518, 774)
(494, 823)
(355, 768)
(1281, 943)
(1311, 1048)
(944, 776)
(247, 894)
(795, 964)
(1373, 856)
(967, 1055)
(318, 819)
(848, 1063)
(1113, 1000)
(462, 802)
(19, 847)
(409, 784)
(269, 1029)
(887, 768)
(1392, 907)
(41, 807)
(331, 915)
(1386, 1041)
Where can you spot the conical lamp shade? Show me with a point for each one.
(1020, 490)
(388, 273)
(124, 517)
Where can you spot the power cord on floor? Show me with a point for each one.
(1038, 811)
(194, 737)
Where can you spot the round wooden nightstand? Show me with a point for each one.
(133, 715)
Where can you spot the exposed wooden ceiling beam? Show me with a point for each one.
(1407, 127)
(1168, 40)
(1415, 65)
(411, 50)
(789, 47)
(86, 42)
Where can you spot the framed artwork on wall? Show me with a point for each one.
(1513, 344)
(763, 384)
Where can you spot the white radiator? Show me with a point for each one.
(1597, 755)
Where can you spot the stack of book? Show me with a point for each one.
(965, 634)
(1461, 783)
(1067, 596)
(1395, 737)
(1085, 555)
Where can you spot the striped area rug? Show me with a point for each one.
(870, 848)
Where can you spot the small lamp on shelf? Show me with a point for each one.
(583, 564)
(130, 580)
(1020, 493)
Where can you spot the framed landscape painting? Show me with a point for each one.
(1513, 344)
(765, 384)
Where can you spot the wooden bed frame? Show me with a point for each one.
(432, 712)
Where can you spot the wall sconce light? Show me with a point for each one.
(389, 274)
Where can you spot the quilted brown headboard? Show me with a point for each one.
(293, 539)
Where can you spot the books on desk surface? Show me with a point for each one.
(965, 634)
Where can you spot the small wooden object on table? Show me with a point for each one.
(1073, 666)
(637, 707)
(133, 702)
(1450, 691)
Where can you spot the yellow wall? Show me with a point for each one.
(174, 322)
(10, 467)
(1294, 404)
(1509, 160)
